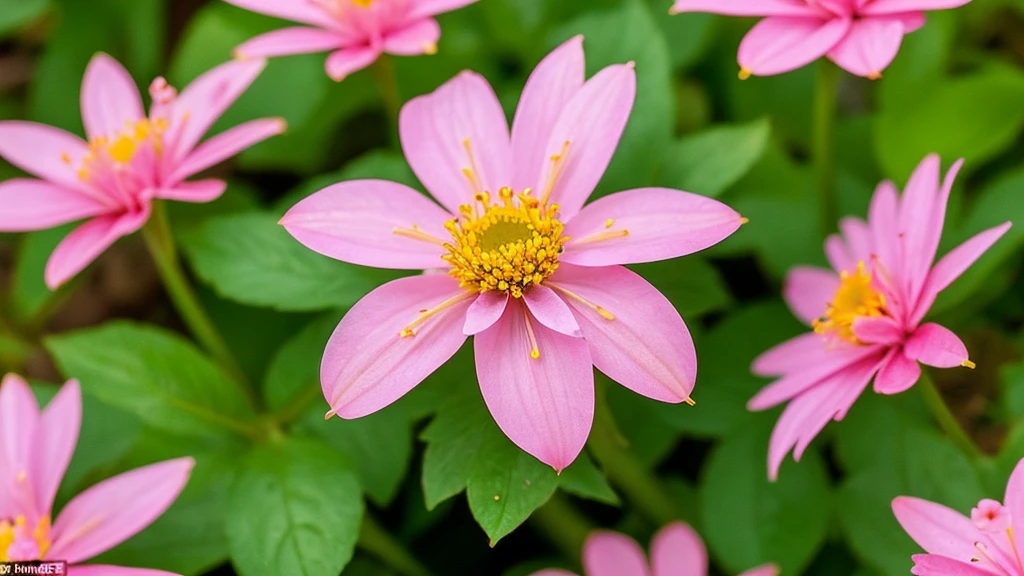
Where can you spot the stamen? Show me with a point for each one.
(558, 164)
(968, 364)
(609, 223)
(416, 234)
(424, 316)
(602, 236)
(535, 350)
(604, 313)
(473, 172)
(745, 73)
(690, 401)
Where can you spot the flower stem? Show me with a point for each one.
(826, 96)
(950, 425)
(375, 539)
(157, 233)
(565, 527)
(383, 72)
(625, 471)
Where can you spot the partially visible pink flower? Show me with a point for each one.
(35, 449)
(986, 544)
(356, 32)
(130, 158)
(867, 311)
(529, 270)
(862, 36)
(676, 550)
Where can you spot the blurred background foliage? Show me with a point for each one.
(957, 88)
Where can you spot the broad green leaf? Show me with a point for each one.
(582, 478)
(154, 374)
(688, 35)
(17, 13)
(187, 216)
(692, 284)
(294, 373)
(709, 162)
(29, 294)
(453, 439)
(295, 508)
(639, 420)
(1013, 390)
(251, 259)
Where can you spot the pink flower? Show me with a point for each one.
(862, 36)
(983, 545)
(129, 160)
(676, 550)
(35, 449)
(867, 314)
(356, 32)
(524, 266)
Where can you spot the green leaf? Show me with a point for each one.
(750, 521)
(16, 13)
(709, 162)
(294, 508)
(453, 439)
(155, 375)
(688, 35)
(29, 294)
(1013, 389)
(693, 285)
(582, 478)
(294, 372)
(251, 259)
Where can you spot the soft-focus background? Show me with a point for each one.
(957, 88)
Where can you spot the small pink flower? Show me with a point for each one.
(676, 550)
(129, 160)
(862, 36)
(867, 314)
(984, 545)
(35, 449)
(356, 32)
(525, 266)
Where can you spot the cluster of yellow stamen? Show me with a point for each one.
(122, 147)
(507, 246)
(854, 298)
(19, 529)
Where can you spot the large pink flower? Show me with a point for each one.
(985, 544)
(524, 265)
(867, 313)
(129, 160)
(35, 449)
(356, 32)
(862, 36)
(676, 550)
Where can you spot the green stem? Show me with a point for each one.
(945, 418)
(375, 540)
(826, 95)
(157, 234)
(566, 528)
(625, 471)
(383, 72)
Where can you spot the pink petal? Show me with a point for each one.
(858, 240)
(936, 528)
(585, 138)
(342, 63)
(898, 374)
(612, 554)
(1014, 499)
(912, 21)
(225, 145)
(869, 47)
(110, 99)
(917, 219)
(897, 6)
(116, 509)
(779, 44)
(766, 570)
(47, 152)
(19, 421)
(746, 7)
(657, 224)
(789, 356)
(485, 310)
(838, 253)
(56, 438)
(677, 550)
(288, 41)
(356, 222)
(818, 368)
(79, 248)
(937, 346)
(460, 126)
(368, 364)
(883, 216)
(553, 572)
(294, 10)
(808, 291)
(550, 310)
(551, 86)
(419, 37)
(931, 565)
(877, 330)
(38, 205)
(646, 347)
(420, 8)
(545, 405)
(199, 191)
(101, 570)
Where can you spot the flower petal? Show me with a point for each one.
(820, 365)
(44, 151)
(342, 63)
(545, 405)
(746, 7)
(932, 565)
(199, 191)
(646, 347)
(419, 37)
(288, 41)
(56, 438)
(19, 422)
(110, 98)
(101, 570)
(38, 205)
(356, 222)
(877, 330)
(779, 44)
(608, 553)
(917, 218)
(869, 47)
(677, 550)
(116, 509)
(883, 226)
(766, 570)
(225, 145)
(936, 528)
(897, 6)
(646, 225)
(898, 374)
(553, 83)
(838, 253)
(1014, 499)
(420, 8)
(789, 356)
(83, 245)
(808, 291)
(458, 127)
(550, 310)
(937, 346)
(296, 11)
(485, 310)
(858, 239)
(368, 364)
(553, 572)
(585, 137)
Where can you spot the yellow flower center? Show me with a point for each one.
(122, 147)
(363, 3)
(854, 298)
(21, 542)
(507, 246)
